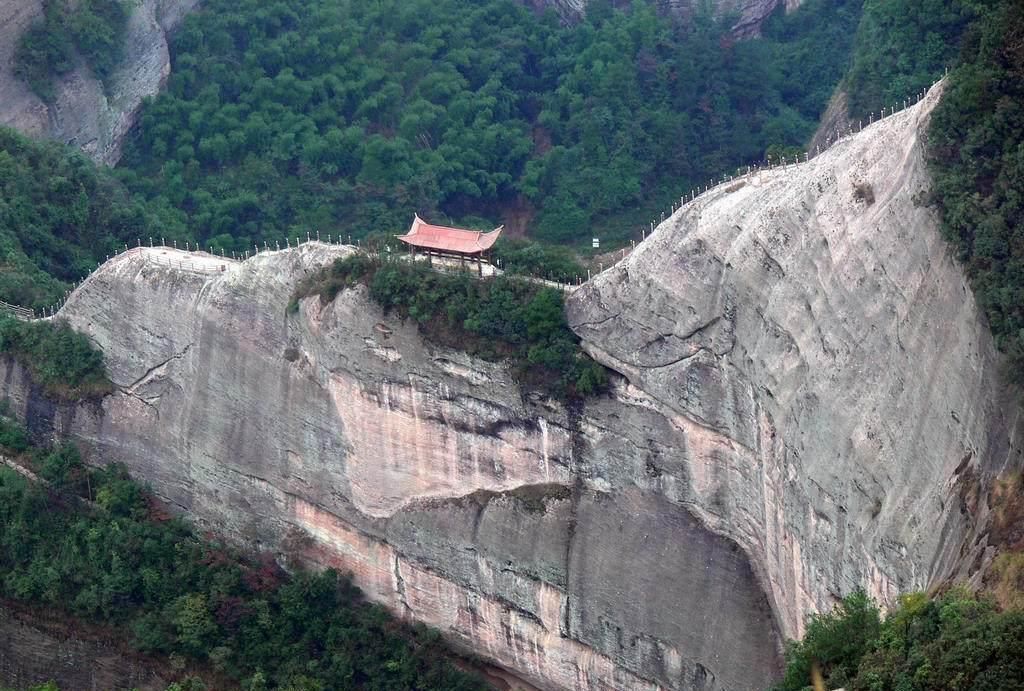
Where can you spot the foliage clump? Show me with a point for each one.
(954, 641)
(976, 149)
(64, 362)
(902, 47)
(95, 545)
(503, 318)
(552, 262)
(59, 216)
(47, 50)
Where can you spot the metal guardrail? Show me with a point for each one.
(19, 312)
(187, 265)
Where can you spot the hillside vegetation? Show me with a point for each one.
(346, 117)
(60, 215)
(95, 545)
(976, 143)
(902, 47)
(953, 641)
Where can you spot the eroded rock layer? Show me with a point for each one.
(35, 650)
(811, 317)
(534, 536)
(809, 403)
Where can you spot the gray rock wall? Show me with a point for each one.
(812, 321)
(807, 395)
(528, 534)
(83, 114)
(35, 652)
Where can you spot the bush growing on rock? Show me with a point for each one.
(59, 358)
(504, 318)
(46, 51)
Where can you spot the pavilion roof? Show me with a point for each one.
(446, 239)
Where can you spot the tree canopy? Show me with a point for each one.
(902, 46)
(976, 147)
(60, 215)
(953, 641)
(345, 117)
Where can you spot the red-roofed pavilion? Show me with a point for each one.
(456, 243)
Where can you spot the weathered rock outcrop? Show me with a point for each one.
(750, 13)
(835, 121)
(809, 397)
(83, 113)
(811, 320)
(533, 535)
(34, 652)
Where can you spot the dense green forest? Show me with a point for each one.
(346, 117)
(953, 641)
(976, 143)
(902, 47)
(95, 545)
(92, 30)
(498, 319)
(60, 215)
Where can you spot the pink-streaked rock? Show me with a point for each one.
(804, 391)
(405, 445)
(334, 433)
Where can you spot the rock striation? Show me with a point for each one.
(807, 401)
(529, 533)
(84, 114)
(812, 321)
(34, 651)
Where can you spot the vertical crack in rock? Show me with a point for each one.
(400, 588)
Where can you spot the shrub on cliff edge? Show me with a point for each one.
(502, 318)
(59, 358)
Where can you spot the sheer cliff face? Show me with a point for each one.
(537, 538)
(808, 403)
(83, 114)
(811, 320)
